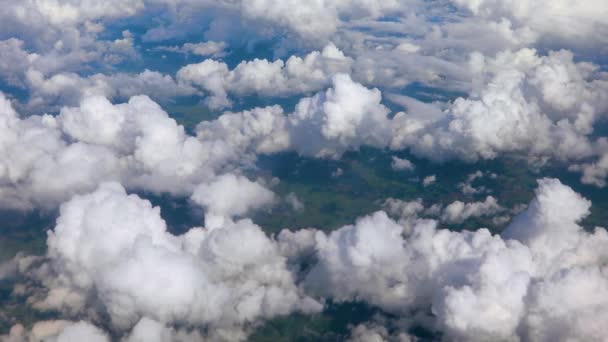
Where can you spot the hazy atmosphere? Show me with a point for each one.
(303, 170)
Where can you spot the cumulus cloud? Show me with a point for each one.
(138, 144)
(458, 212)
(210, 48)
(150, 330)
(56, 331)
(294, 202)
(428, 180)
(373, 332)
(297, 75)
(318, 20)
(514, 280)
(229, 196)
(572, 24)
(541, 106)
(111, 251)
(345, 117)
(69, 89)
(467, 187)
(401, 164)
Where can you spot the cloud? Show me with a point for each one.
(111, 251)
(400, 164)
(56, 331)
(229, 196)
(294, 202)
(467, 187)
(541, 106)
(297, 75)
(513, 280)
(568, 23)
(210, 48)
(136, 143)
(317, 20)
(148, 330)
(345, 117)
(373, 332)
(69, 89)
(428, 180)
(458, 212)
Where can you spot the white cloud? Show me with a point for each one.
(229, 196)
(56, 331)
(513, 284)
(458, 212)
(401, 164)
(428, 180)
(111, 250)
(345, 117)
(294, 202)
(295, 76)
(579, 23)
(210, 48)
(520, 102)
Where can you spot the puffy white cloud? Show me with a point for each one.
(210, 48)
(297, 75)
(401, 164)
(138, 143)
(428, 180)
(112, 251)
(409, 213)
(515, 281)
(345, 117)
(260, 130)
(150, 330)
(229, 196)
(458, 212)
(134, 142)
(580, 23)
(56, 331)
(69, 89)
(467, 187)
(595, 172)
(520, 102)
(317, 20)
(373, 332)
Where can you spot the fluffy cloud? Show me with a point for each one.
(318, 20)
(111, 250)
(513, 281)
(344, 117)
(400, 164)
(150, 330)
(375, 333)
(260, 130)
(230, 195)
(135, 142)
(295, 76)
(520, 102)
(138, 143)
(458, 212)
(56, 331)
(428, 180)
(580, 23)
(69, 89)
(467, 187)
(210, 48)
